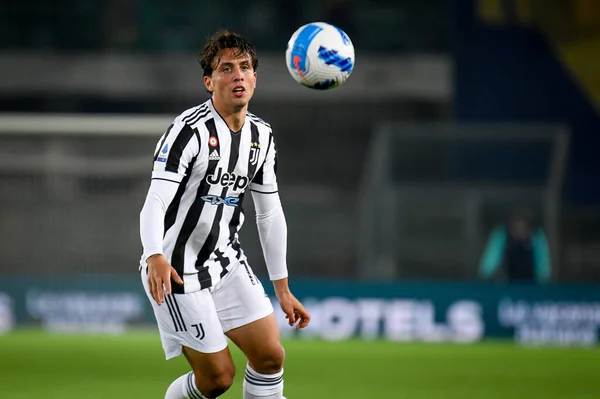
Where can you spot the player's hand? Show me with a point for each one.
(160, 273)
(294, 310)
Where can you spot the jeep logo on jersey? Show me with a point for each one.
(226, 179)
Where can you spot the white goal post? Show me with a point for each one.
(72, 189)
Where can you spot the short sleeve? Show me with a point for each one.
(175, 151)
(265, 179)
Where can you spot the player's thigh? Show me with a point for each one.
(260, 342)
(188, 320)
(247, 317)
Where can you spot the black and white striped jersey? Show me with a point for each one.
(212, 168)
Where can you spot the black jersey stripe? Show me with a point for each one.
(258, 178)
(171, 213)
(254, 143)
(173, 208)
(191, 220)
(162, 142)
(211, 241)
(181, 141)
(252, 164)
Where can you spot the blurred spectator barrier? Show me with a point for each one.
(400, 312)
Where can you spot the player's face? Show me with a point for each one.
(233, 79)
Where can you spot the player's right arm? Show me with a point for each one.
(152, 216)
(174, 154)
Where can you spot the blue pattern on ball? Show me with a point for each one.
(331, 57)
(300, 46)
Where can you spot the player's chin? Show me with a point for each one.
(241, 100)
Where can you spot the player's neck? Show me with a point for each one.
(234, 117)
(235, 122)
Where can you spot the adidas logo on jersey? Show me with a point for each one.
(214, 156)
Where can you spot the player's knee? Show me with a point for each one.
(217, 383)
(219, 386)
(270, 361)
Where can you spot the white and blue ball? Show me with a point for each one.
(320, 56)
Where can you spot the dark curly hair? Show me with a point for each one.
(222, 40)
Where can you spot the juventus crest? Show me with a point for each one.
(254, 152)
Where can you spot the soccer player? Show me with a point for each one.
(193, 269)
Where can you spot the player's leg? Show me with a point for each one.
(189, 324)
(260, 342)
(247, 318)
(211, 376)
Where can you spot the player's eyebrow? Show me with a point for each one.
(230, 63)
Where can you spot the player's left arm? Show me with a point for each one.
(272, 231)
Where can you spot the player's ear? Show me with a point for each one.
(255, 79)
(208, 83)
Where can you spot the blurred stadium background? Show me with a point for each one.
(458, 113)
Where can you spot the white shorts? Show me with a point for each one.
(199, 319)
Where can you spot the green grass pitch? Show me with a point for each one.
(38, 365)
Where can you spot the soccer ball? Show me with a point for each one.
(320, 56)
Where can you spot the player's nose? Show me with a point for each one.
(238, 75)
